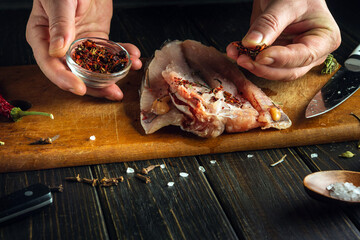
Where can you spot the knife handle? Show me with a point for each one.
(24, 201)
(353, 62)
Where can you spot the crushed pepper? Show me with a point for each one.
(99, 59)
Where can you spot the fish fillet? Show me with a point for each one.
(197, 88)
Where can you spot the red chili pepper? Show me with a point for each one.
(15, 113)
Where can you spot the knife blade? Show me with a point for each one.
(24, 201)
(344, 83)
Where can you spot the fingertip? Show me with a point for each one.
(112, 93)
(79, 89)
(253, 39)
(136, 64)
(232, 51)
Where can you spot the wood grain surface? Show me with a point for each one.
(120, 137)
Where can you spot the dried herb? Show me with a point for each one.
(347, 154)
(280, 161)
(99, 59)
(143, 178)
(330, 65)
(108, 182)
(59, 188)
(15, 113)
(93, 182)
(74, 179)
(251, 52)
(104, 182)
(149, 168)
(48, 140)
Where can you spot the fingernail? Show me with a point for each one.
(266, 61)
(56, 44)
(254, 37)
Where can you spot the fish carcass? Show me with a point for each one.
(197, 88)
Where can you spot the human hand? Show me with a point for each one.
(302, 34)
(53, 25)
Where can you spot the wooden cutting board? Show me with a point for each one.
(120, 137)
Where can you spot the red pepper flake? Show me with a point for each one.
(230, 99)
(99, 59)
(251, 52)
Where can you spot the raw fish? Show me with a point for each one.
(197, 88)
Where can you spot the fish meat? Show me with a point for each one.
(197, 88)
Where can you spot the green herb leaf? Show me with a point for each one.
(347, 154)
(330, 65)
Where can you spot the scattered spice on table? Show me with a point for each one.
(347, 154)
(108, 182)
(15, 113)
(330, 65)
(59, 188)
(143, 178)
(170, 184)
(202, 169)
(278, 162)
(149, 168)
(251, 52)
(48, 140)
(99, 59)
(93, 182)
(104, 182)
(130, 170)
(183, 174)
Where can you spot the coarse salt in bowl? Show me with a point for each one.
(96, 79)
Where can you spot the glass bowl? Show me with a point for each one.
(95, 79)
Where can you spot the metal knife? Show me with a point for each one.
(24, 201)
(344, 83)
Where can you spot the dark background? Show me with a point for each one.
(17, 12)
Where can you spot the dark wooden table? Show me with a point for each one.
(238, 197)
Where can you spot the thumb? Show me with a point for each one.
(61, 26)
(268, 26)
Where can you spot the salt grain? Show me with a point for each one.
(170, 184)
(183, 174)
(344, 191)
(92, 138)
(314, 155)
(212, 161)
(130, 170)
(162, 165)
(201, 168)
(250, 155)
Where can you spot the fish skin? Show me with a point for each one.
(193, 106)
